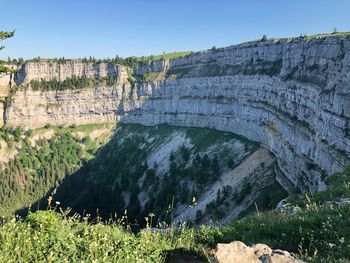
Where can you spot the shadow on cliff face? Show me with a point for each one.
(226, 101)
(97, 187)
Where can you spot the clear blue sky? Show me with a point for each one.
(104, 28)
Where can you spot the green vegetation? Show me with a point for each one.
(53, 237)
(308, 76)
(129, 61)
(164, 56)
(333, 34)
(177, 73)
(86, 128)
(317, 228)
(267, 199)
(72, 83)
(151, 76)
(4, 35)
(17, 61)
(121, 172)
(314, 230)
(312, 80)
(35, 170)
(146, 77)
(338, 187)
(9, 134)
(303, 37)
(270, 68)
(259, 67)
(39, 165)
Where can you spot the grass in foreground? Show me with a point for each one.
(47, 236)
(313, 228)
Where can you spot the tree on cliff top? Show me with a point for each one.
(4, 35)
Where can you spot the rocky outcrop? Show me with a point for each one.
(291, 95)
(238, 252)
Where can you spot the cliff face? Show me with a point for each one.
(61, 71)
(96, 104)
(35, 109)
(6, 81)
(292, 96)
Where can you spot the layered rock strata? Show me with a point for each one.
(291, 95)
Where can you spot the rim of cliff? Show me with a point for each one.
(135, 61)
(307, 64)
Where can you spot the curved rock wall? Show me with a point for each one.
(252, 106)
(291, 95)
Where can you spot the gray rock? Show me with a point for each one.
(262, 249)
(238, 252)
(300, 111)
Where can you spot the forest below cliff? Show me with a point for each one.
(140, 170)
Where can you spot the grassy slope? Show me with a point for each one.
(171, 55)
(52, 237)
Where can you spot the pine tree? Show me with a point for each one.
(4, 35)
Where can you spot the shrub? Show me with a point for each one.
(28, 133)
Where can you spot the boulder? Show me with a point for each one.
(238, 252)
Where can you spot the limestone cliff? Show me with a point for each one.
(29, 108)
(48, 70)
(291, 95)
(6, 81)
